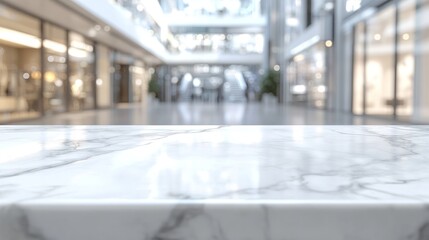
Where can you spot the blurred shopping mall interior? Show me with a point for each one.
(214, 61)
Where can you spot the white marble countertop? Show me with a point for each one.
(214, 182)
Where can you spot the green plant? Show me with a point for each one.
(154, 86)
(270, 83)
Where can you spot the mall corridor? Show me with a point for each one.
(208, 114)
(214, 120)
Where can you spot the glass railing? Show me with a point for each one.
(239, 8)
(221, 43)
(231, 43)
(140, 16)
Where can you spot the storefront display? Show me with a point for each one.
(104, 76)
(384, 61)
(307, 76)
(46, 69)
(55, 57)
(20, 76)
(421, 84)
(82, 74)
(139, 81)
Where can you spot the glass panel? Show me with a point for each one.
(358, 68)
(297, 78)
(211, 7)
(405, 68)
(122, 80)
(81, 55)
(380, 52)
(20, 77)
(138, 81)
(307, 79)
(421, 112)
(104, 81)
(228, 43)
(316, 78)
(55, 47)
(293, 19)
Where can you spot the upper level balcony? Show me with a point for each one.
(184, 30)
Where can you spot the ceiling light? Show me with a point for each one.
(196, 82)
(406, 36)
(353, 5)
(58, 83)
(82, 45)
(292, 22)
(26, 76)
(99, 82)
(329, 43)
(377, 37)
(78, 83)
(321, 89)
(74, 52)
(54, 46)
(299, 89)
(50, 76)
(19, 38)
(276, 68)
(140, 7)
(329, 6)
(299, 58)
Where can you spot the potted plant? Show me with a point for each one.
(154, 88)
(270, 86)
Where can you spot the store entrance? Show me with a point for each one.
(122, 83)
(383, 66)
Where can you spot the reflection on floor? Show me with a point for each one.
(209, 114)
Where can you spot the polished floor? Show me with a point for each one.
(207, 114)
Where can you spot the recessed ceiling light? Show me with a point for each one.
(377, 37)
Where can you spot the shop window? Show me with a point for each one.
(138, 79)
(384, 62)
(405, 65)
(104, 76)
(421, 112)
(20, 76)
(55, 58)
(82, 79)
(380, 56)
(359, 69)
(307, 76)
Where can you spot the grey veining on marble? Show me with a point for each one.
(214, 182)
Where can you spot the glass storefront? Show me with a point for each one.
(55, 60)
(406, 66)
(104, 76)
(359, 69)
(140, 82)
(384, 62)
(82, 74)
(307, 76)
(294, 19)
(20, 76)
(379, 63)
(421, 85)
(75, 70)
(122, 82)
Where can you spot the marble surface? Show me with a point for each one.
(214, 182)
